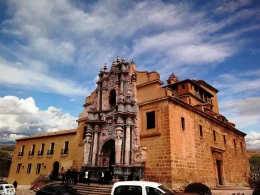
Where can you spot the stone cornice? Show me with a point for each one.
(87, 104)
(196, 110)
(190, 94)
(150, 82)
(82, 119)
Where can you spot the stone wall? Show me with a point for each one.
(46, 161)
(157, 141)
(192, 154)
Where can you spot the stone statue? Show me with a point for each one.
(134, 77)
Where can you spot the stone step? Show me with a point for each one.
(231, 192)
(229, 187)
(92, 189)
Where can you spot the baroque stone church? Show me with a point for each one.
(173, 134)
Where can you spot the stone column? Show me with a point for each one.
(127, 144)
(118, 142)
(87, 147)
(121, 87)
(95, 145)
(98, 97)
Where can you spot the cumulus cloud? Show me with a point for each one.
(239, 100)
(246, 107)
(253, 140)
(20, 117)
(235, 83)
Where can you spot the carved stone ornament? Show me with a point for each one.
(119, 134)
(89, 140)
(140, 155)
(111, 129)
(134, 77)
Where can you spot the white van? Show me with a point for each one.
(142, 188)
(139, 188)
(7, 189)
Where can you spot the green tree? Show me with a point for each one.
(254, 179)
(254, 162)
(4, 154)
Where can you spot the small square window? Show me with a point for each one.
(150, 120)
(183, 86)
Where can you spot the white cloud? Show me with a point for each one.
(246, 107)
(239, 96)
(232, 5)
(9, 74)
(56, 51)
(19, 117)
(238, 83)
(253, 140)
(72, 99)
(58, 32)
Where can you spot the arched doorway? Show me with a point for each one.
(56, 167)
(112, 157)
(108, 154)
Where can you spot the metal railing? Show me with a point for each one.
(50, 152)
(64, 151)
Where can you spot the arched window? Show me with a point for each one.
(112, 98)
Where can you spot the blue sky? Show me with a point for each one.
(52, 50)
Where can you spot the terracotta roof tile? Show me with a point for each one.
(56, 133)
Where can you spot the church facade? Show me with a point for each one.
(172, 134)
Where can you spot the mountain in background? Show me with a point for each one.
(8, 143)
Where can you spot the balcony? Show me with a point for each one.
(50, 153)
(20, 154)
(40, 153)
(31, 153)
(64, 152)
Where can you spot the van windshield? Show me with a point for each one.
(165, 189)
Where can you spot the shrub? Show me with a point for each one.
(198, 188)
